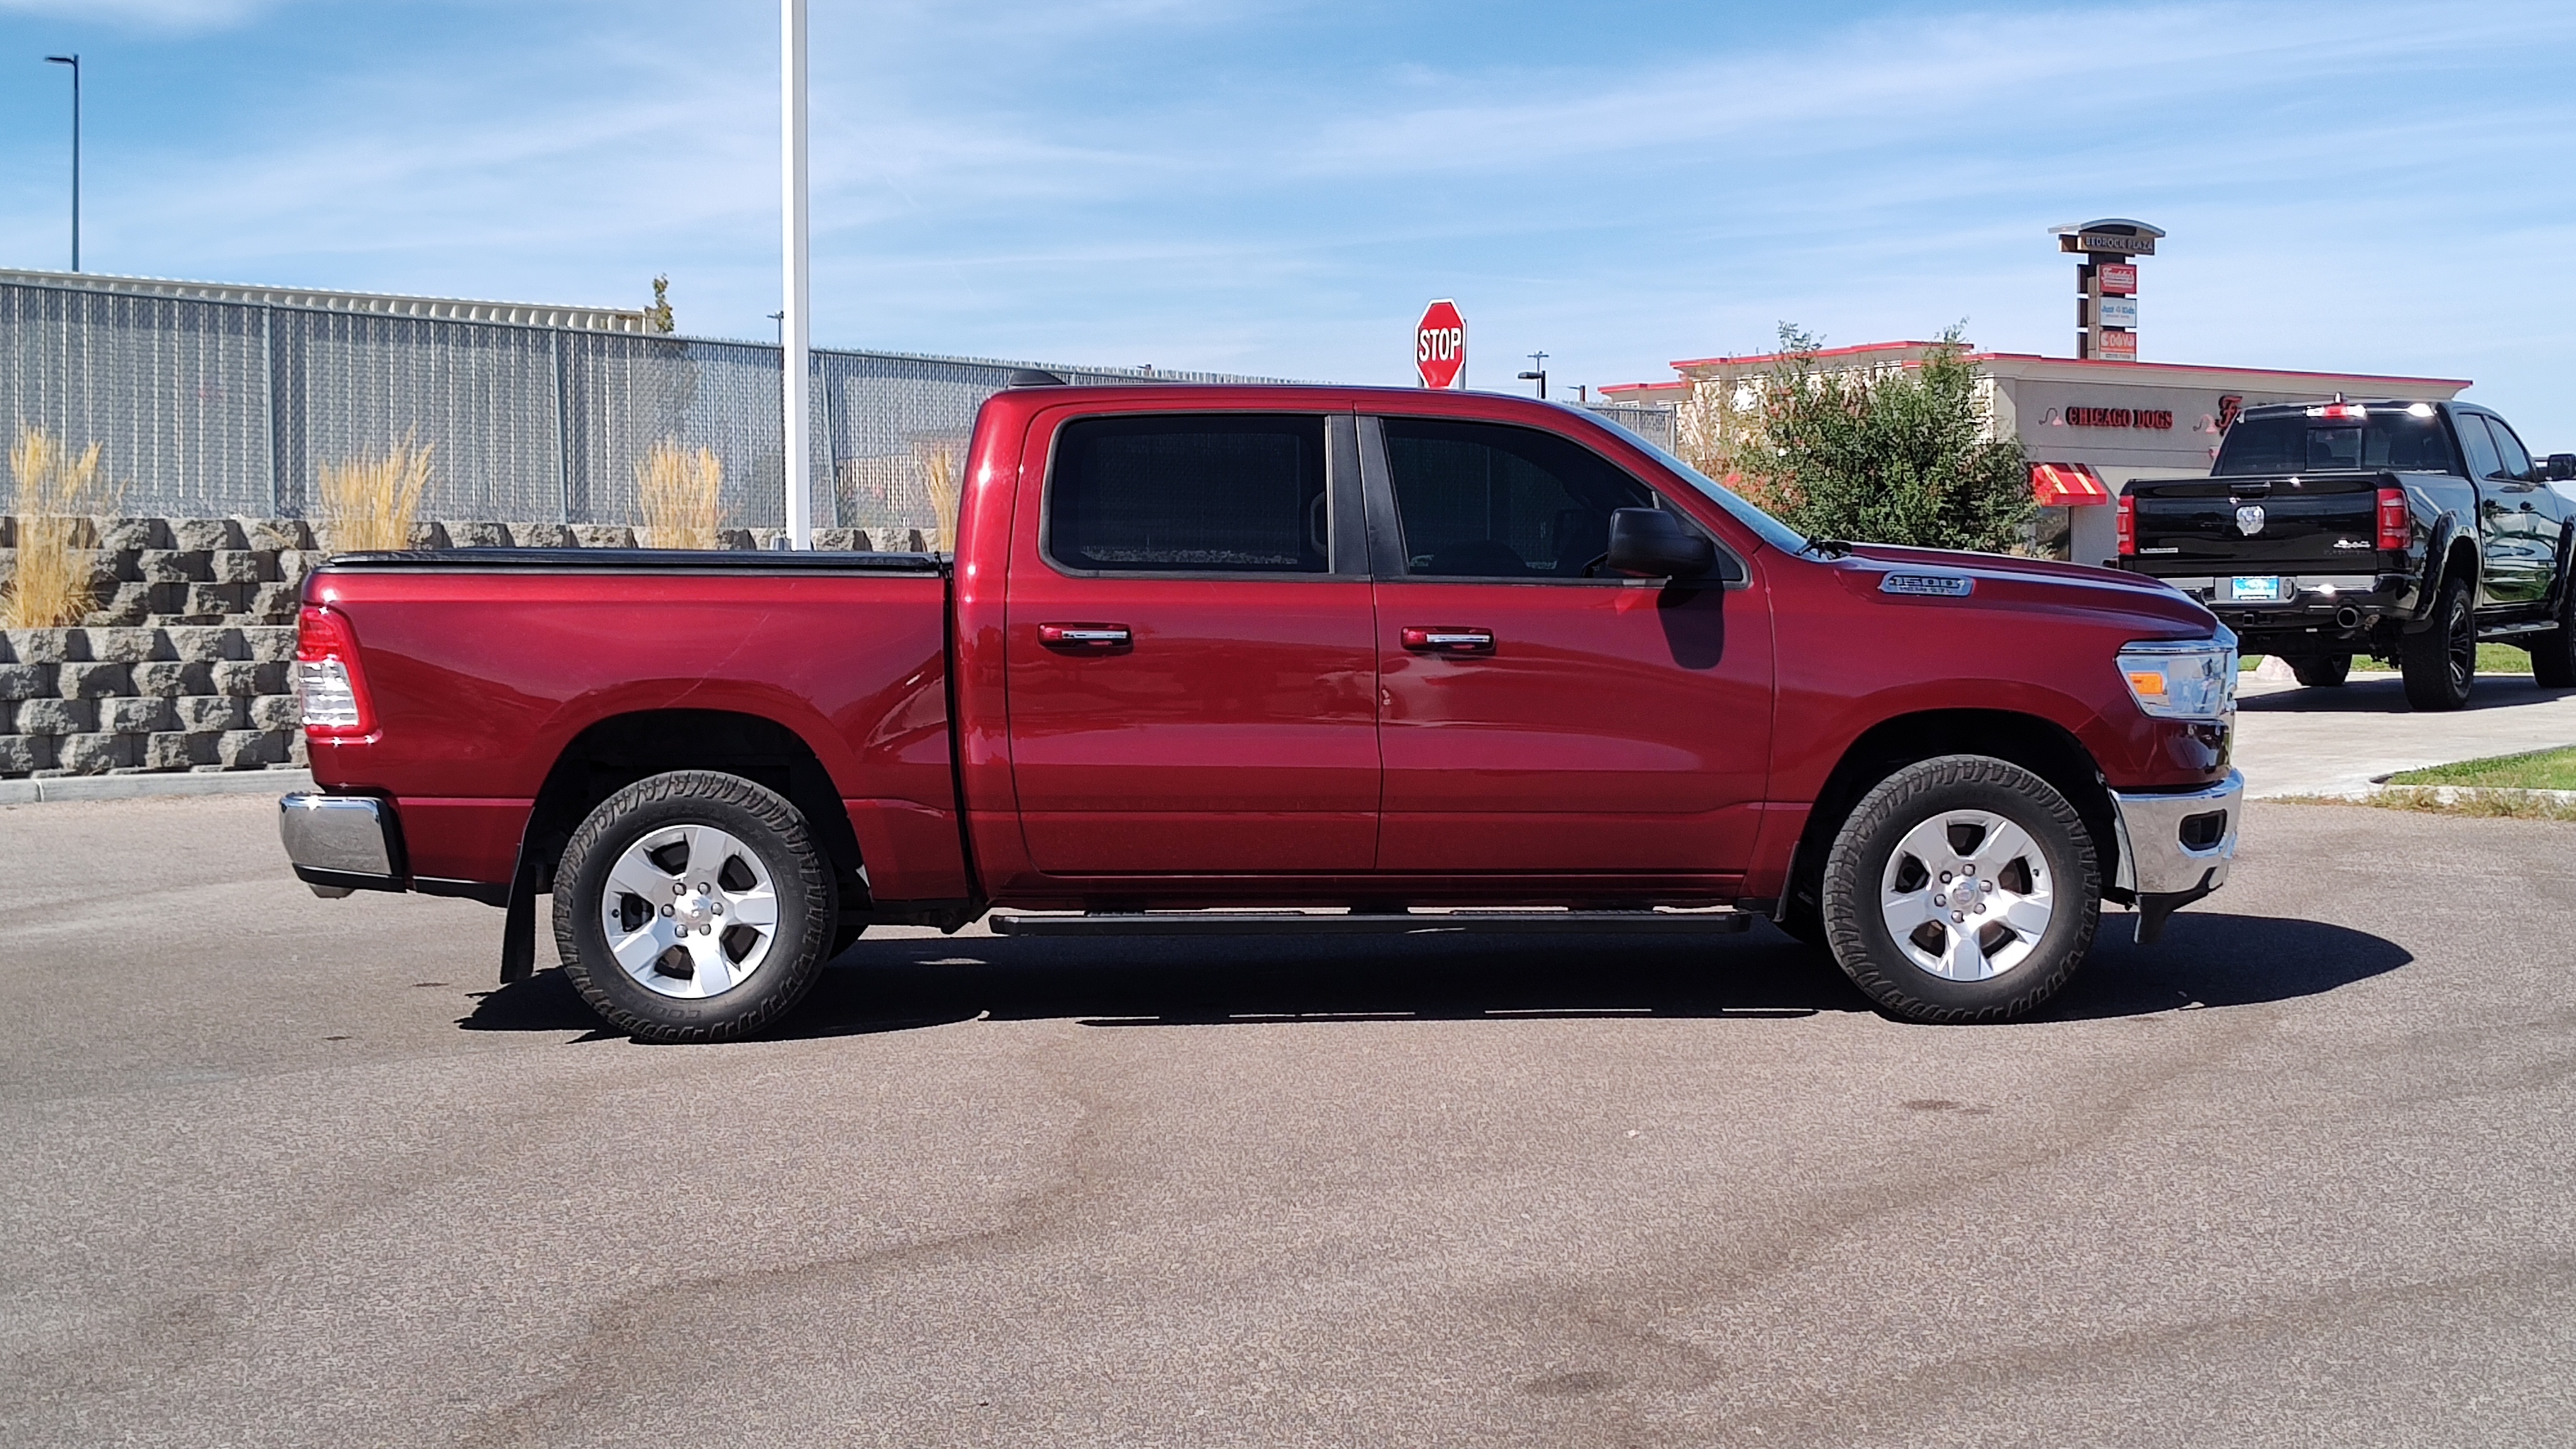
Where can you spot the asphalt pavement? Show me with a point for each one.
(289, 1171)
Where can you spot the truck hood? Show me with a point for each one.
(1903, 576)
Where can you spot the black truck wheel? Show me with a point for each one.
(2553, 652)
(1961, 889)
(2324, 671)
(2440, 661)
(693, 906)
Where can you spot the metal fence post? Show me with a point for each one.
(563, 432)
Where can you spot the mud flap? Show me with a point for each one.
(2154, 907)
(519, 924)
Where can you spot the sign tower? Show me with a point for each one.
(2106, 283)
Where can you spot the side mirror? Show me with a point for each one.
(1649, 543)
(2562, 467)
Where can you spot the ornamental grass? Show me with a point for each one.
(369, 505)
(680, 495)
(57, 493)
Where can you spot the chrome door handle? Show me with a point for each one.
(1448, 639)
(1085, 636)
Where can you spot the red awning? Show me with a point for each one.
(2066, 485)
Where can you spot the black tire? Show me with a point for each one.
(763, 824)
(2553, 653)
(2323, 672)
(1870, 856)
(2440, 661)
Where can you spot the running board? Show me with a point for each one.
(1299, 923)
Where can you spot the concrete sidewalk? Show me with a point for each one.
(2296, 741)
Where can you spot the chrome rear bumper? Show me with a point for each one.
(341, 843)
(2175, 849)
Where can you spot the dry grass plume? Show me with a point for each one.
(940, 484)
(680, 495)
(369, 505)
(56, 495)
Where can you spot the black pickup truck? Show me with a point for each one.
(2409, 531)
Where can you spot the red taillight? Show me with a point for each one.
(2395, 529)
(2127, 516)
(333, 697)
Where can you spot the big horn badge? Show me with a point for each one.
(2249, 519)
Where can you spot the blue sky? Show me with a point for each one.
(1278, 187)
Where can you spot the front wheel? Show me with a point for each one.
(1962, 889)
(693, 906)
(2440, 661)
(2323, 672)
(2553, 651)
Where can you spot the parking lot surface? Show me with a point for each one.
(2294, 741)
(288, 1171)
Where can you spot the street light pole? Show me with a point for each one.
(794, 334)
(1538, 373)
(74, 62)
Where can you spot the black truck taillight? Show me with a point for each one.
(2395, 529)
(2127, 517)
(334, 697)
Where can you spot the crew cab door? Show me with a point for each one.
(2518, 520)
(1541, 720)
(1188, 650)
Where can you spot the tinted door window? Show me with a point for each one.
(1490, 501)
(2479, 444)
(1200, 493)
(2509, 449)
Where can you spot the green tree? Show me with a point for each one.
(657, 318)
(1899, 456)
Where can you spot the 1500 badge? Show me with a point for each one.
(1939, 586)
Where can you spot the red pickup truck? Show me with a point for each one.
(1272, 659)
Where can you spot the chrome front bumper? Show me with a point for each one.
(2175, 849)
(341, 843)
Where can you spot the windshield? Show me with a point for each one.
(1772, 531)
(2296, 443)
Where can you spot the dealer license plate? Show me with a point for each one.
(2255, 588)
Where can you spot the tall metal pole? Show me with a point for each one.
(794, 334)
(73, 61)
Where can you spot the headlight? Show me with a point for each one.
(2183, 678)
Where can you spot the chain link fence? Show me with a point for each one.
(209, 408)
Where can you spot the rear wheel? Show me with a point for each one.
(2553, 653)
(693, 906)
(2323, 672)
(2440, 661)
(1962, 889)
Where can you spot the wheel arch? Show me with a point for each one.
(2042, 746)
(611, 753)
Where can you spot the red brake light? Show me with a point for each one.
(333, 697)
(2127, 516)
(2341, 412)
(2395, 528)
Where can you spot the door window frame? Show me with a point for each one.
(1346, 529)
(1386, 543)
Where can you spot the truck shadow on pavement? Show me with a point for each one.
(2206, 960)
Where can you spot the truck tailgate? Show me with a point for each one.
(2202, 525)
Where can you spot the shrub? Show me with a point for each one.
(56, 494)
(1899, 456)
(680, 495)
(368, 505)
(940, 485)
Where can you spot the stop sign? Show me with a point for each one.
(1440, 344)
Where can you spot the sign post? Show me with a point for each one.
(2106, 311)
(1440, 346)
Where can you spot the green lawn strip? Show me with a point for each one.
(2535, 770)
(2492, 659)
(2426, 801)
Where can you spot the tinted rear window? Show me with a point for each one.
(2300, 444)
(1200, 493)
